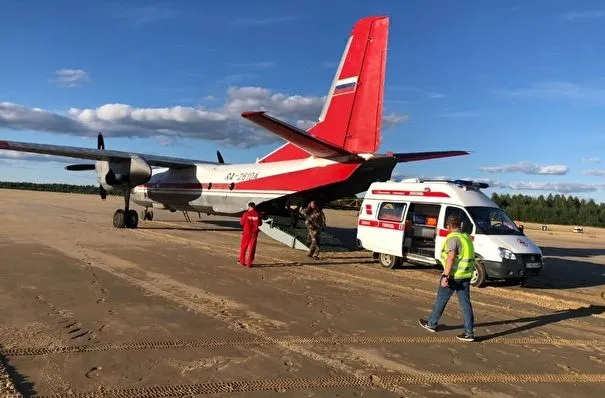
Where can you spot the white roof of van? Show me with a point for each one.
(458, 192)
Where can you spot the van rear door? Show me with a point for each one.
(388, 227)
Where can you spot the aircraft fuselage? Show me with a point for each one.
(227, 189)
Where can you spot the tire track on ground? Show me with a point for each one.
(376, 284)
(238, 317)
(339, 340)
(284, 385)
(171, 290)
(553, 303)
(559, 303)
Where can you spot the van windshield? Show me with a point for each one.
(492, 221)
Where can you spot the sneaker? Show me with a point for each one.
(465, 337)
(425, 325)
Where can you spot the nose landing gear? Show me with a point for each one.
(147, 214)
(127, 217)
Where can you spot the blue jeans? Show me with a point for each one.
(462, 289)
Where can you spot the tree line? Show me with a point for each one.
(552, 209)
(66, 188)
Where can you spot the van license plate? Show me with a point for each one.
(533, 265)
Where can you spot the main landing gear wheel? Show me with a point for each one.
(125, 218)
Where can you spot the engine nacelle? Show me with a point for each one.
(125, 174)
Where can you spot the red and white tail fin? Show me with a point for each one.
(352, 114)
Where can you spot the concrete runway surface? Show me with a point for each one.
(165, 311)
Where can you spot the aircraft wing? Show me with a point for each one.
(298, 137)
(98, 154)
(415, 156)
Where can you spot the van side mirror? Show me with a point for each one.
(521, 228)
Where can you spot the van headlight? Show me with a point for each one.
(507, 254)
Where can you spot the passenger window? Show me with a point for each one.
(467, 225)
(390, 211)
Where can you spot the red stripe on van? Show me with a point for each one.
(426, 194)
(381, 224)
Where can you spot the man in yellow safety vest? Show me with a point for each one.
(458, 260)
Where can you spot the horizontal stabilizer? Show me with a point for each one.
(313, 145)
(415, 156)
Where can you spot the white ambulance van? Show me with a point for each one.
(405, 222)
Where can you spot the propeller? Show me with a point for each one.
(88, 166)
(101, 146)
(220, 157)
(100, 142)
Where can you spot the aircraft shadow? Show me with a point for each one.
(347, 236)
(531, 322)
(21, 382)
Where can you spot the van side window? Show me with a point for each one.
(467, 225)
(391, 211)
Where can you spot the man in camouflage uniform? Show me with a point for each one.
(316, 222)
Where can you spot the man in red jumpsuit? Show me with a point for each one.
(251, 221)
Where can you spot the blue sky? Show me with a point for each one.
(519, 83)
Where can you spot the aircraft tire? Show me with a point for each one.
(131, 219)
(119, 219)
(147, 215)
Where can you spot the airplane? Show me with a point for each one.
(334, 158)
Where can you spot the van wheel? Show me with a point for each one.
(479, 278)
(389, 261)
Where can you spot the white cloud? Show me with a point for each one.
(459, 114)
(223, 125)
(71, 77)
(14, 156)
(399, 177)
(561, 187)
(527, 168)
(430, 94)
(253, 65)
(393, 119)
(580, 15)
(597, 173)
(255, 22)
(594, 159)
(561, 90)
(144, 13)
